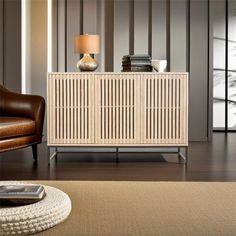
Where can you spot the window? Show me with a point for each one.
(224, 65)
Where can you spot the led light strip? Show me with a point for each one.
(23, 45)
(49, 56)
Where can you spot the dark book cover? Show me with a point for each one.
(136, 63)
(138, 67)
(137, 56)
(136, 70)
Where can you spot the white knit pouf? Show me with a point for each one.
(33, 218)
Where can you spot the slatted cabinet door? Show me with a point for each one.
(164, 109)
(70, 109)
(117, 109)
(108, 109)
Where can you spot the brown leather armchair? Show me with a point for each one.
(21, 120)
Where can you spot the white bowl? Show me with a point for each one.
(159, 65)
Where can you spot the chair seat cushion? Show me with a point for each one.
(15, 127)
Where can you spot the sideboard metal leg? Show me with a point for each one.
(56, 151)
(183, 157)
(179, 154)
(117, 154)
(186, 155)
(48, 155)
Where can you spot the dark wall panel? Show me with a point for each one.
(159, 29)
(90, 22)
(198, 107)
(121, 32)
(55, 35)
(178, 35)
(90, 16)
(109, 35)
(101, 31)
(13, 45)
(141, 21)
(73, 28)
(1, 41)
(61, 36)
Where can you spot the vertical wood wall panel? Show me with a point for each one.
(178, 35)
(131, 27)
(28, 36)
(121, 32)
(159, 29)
(198, 70)
(141, 19)
(1, 41)
(109, 35)
(13, 45)
(54, 35)
(101, 31)
(73, 29)
(90, 19)
(61, 35)
(90, 16)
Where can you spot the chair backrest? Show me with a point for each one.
(22, 105)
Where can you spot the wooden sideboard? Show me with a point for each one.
(117, 110)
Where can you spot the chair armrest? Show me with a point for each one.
(21, 105)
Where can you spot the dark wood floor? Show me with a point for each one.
(208, 161)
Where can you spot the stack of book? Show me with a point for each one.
(136, 63)
(21, 194)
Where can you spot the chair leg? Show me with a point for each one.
(35, 151)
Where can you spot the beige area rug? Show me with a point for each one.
(148, 208)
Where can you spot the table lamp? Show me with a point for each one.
(87, 44)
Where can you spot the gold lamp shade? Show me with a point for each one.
(89, 44)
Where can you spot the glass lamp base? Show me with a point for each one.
(87, 63)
